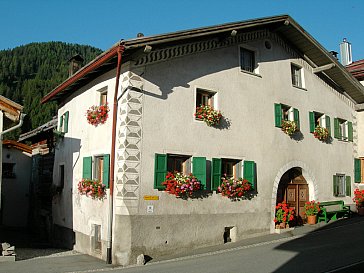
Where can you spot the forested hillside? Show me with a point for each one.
(29, 72)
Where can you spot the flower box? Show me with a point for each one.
(289, 127)
(234, 188)
(181, 185)
(97, 114)
(210, 116)
(92, 188)
(321, 133)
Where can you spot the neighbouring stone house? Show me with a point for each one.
(16, 169)
(260, 74)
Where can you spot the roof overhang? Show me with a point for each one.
(11, 109)
(17, 145)
(283, 25)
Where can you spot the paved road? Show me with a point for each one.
(334, 248)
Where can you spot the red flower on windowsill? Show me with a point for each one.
(92, 188)
(97, 114)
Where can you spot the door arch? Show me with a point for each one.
(303, 170)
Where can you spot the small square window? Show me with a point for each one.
(179, 163)
(231, 168)
(247, 60)
(296, 73)
(287, 112)
(99, 168)
(204, 97)
(103, 95)
(8, 170)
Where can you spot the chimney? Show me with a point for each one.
(345, 52)
(75, 64)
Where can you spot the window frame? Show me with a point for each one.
(286, 112)
(185, 162)
(212, 100)
(63, 122)
(235, 165)
(343, 187)
(343, 129)
(103, 95)
(297, 76)
(254, 62)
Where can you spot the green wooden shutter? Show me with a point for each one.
(61, 123)
(350, 131)
(87, 167)
(249, 172)
(216, 166)
(348, 185)
(311, 116)
(160, 170)
(106, 171)
(66, 116)
(328, 125)
(199, 169)
(336, 128)
(296, 115)
(335, 185)
(357, 170)
(278, 114)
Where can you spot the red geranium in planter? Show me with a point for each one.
(97, 114)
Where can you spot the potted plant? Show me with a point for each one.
(312, 208)
(97, 114)
(321, 133)
(181, 185)
(284, 215)
(359, 201)
(92, 188)
(289, 127)
(210, 116)
(234, 188)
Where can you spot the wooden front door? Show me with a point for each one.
(296, 196)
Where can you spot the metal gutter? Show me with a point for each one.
(119, 51)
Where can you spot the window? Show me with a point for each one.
(164, 163)
(343, 129)
(96, 237)
(319, 119)
(179, 163)
(285, 112)
(233, 168)
(247, 60)
(61, 176)
(204, 97)
(8, 170)
(342, 185)
(97, 168)
(296, 74)
(103, 95)
(63, 122)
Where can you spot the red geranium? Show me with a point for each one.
(97, 114)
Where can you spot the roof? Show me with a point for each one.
(283, 25)
(50, 125)
(357, 69)
(11, 109)
(17, 145)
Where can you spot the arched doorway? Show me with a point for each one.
(293, 189)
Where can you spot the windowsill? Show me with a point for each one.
(251, 73)
(299, 87)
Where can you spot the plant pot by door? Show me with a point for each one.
(311, 219)
(361, 211)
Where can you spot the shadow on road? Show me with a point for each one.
(27, 244)
(326, 249)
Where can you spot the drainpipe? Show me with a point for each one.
(1, 140)
(120, 51)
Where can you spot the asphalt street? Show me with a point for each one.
(335, 247)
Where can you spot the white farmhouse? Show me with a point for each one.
(260, 74)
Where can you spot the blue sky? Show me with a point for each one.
(102, 23)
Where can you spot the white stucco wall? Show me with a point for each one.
(70, 209)
(16, 190)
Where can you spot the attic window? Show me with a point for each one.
(247, 60)
(103, 95)
(296, 74)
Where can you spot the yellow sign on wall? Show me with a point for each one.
(151, 197)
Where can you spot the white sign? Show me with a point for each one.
(150, 209)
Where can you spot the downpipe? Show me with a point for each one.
(120, 51)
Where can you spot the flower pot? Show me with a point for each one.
(282, 225)
(311, 219)
(361, 211)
